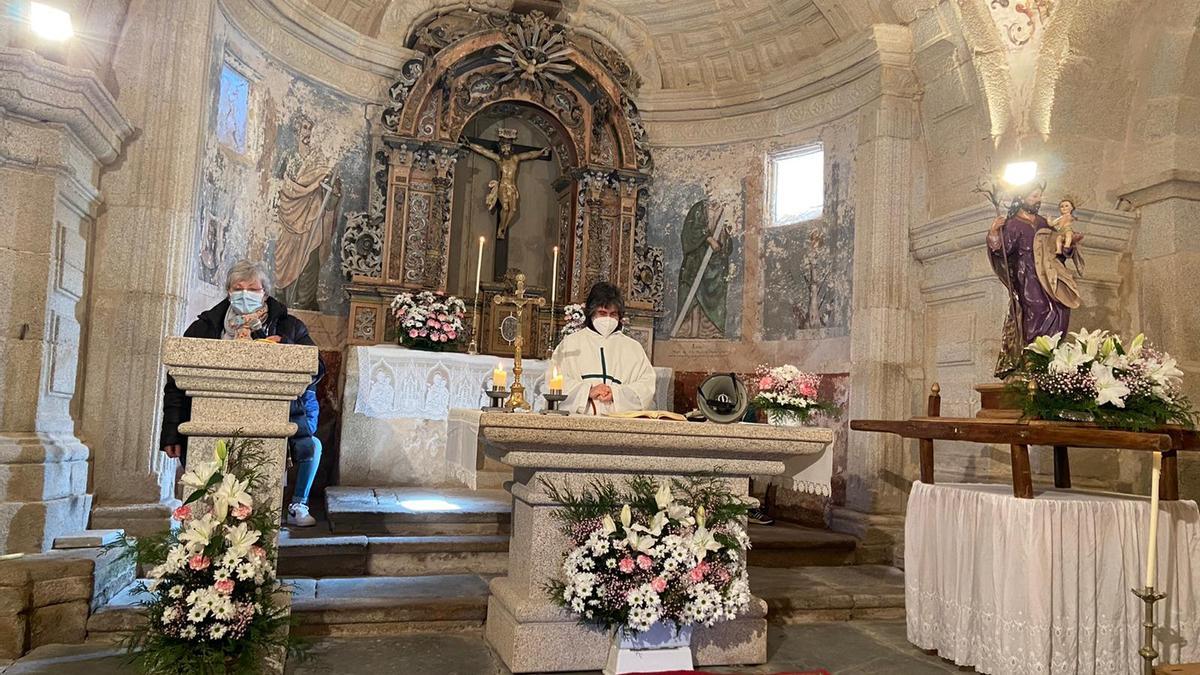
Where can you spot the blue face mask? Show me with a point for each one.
(245, 302)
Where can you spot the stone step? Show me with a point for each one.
(788, 545)
(346, 606)
(360, 555)
(418, 511)
(824, 593)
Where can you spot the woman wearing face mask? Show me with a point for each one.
(604, 370)
(249, 313)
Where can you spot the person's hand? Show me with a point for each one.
(173, 451)
(601, 392)
(996, 224)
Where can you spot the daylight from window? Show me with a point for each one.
(798, 185)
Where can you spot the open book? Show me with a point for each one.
(650, 415)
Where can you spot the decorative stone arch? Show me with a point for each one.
(580, 88)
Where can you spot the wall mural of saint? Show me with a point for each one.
(704, 274)
(307, 206)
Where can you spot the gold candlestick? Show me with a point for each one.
(517, 400)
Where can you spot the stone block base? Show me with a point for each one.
(43, 490)
(32, 527)
(138, 520)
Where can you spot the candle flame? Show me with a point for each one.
(481, 241)
(556, 249)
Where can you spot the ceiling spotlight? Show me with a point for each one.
(50, 23)
(1019, 173)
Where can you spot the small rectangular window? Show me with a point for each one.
(233, 109)
(797, 185)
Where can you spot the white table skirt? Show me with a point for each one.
(1043, 585)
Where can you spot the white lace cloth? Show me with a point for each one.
(1043, 585)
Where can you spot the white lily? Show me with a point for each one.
(702, 542)
(1090, 341)
(640, 542)
(198, 477)
(1108, 388)
(1045, 344)
(663, 497)
(657, 523)
(626, 516)
(1068, 359)
(199, 532)
(241, 538)
(681, 513)
(230, 493)
(1163, 373)
(700, 517)
(609, 527)
(1135, 347)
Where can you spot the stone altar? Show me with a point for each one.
(397, 402)
(525, 628)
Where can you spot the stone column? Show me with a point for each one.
(144, 247)
(240, 388)
(58, 127)
(882, 322)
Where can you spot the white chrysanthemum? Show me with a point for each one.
(188, 633)
(197, 614)
(175, 593)
(218, 631)
(170, 613)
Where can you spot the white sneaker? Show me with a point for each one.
(299, 516)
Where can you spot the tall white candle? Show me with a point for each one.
(554, 280)
(1152, 544)
(479, 267)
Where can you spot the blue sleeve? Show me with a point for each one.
(312, 410)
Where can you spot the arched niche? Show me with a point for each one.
(581, 91)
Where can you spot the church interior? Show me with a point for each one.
(802, 281)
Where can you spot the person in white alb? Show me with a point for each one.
(604, 371)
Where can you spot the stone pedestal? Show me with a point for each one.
(525, 628)
(58, 128)
(240, 388)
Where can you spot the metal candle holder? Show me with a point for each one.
(553, 398)
(1148, 653)
(473, 348)
(497, 396)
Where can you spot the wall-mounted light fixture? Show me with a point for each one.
(1017, 174)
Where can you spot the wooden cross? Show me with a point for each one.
(516, 400)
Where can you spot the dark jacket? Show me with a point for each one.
(177, 406)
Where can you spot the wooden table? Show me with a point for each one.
(1020, 434)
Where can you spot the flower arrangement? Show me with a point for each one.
(787, 394)
(1097, 377)
(428, 320)
(576, 320)
(644, 557)
(212, 586)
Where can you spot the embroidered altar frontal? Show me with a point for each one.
(398, 400)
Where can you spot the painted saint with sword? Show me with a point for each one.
(703, 276)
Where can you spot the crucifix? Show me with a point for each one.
(517, 400)
(502, 192)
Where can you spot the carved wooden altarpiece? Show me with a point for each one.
(576, 90)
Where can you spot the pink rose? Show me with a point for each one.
(451, 335)
(182, 513)
(696, 575)
(199, 562)
(808, 390)
(258, 551)
(224, 586)
(644, 562)
(765, 383)
(659, 584)
(241, 512)
(626, 564)
(412, 332)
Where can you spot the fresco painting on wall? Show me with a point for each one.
(704, 273)
(285, 165)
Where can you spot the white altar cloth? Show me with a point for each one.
(396, 402)
(1043, 585)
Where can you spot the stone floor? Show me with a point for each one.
(858, 647)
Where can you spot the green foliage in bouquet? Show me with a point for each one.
(213, 603)
(1098, 377)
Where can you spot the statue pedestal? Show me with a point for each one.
(526, 629)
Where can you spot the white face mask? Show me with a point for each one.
(605, 325)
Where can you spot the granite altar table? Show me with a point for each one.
(526, 629)
(395, 406)
(1026, 586)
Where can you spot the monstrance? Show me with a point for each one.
(517, 400)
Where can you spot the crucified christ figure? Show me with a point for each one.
(503, 190)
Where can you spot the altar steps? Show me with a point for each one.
(457, 602)
(391, 556)
(788, 545)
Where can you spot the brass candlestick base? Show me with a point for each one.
(497, 396)
(517, 402)
(1148, 652)
(553, 399)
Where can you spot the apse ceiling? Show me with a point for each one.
(697, 43)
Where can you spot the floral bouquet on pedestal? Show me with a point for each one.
(212, 604)
(1098, 377)
(788, 395)
(428, 320)
(646, 558)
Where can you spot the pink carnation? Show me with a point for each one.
(258, 551)
(451, 334)
(199, 562)
(182, 513)
(224, 586)
(766, 383)
(626, 564)
(808, 390)
(241, 512)
(659, 584)
(412, 332)
(644, 562)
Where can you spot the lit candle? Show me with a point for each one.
(556, 381)
(479, 266)
(554, 281)
(499, 377)
(1152, 544)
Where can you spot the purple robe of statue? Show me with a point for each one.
(1041, 314)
